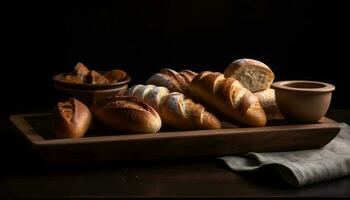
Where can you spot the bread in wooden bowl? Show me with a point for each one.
(83, 75)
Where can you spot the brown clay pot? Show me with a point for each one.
(303, 101)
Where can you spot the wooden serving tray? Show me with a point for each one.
(105, 146)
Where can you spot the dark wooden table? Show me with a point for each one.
(22, 175)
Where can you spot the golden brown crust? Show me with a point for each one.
(178, 80)
(81, 71)
(70, 119)
(126, 114)
(115, 75)
(174, 81)
(72, 78)
(188, 75)
(227, 97)
(175, 110)
(96, 78)
(183, 114)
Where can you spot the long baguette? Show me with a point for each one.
(227, 97)
(175, 110)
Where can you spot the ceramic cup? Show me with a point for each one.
(303, 101)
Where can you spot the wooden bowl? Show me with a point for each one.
(88, 93)
(303, 101)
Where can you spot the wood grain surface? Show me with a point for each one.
(101, 146)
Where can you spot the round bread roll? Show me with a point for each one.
(70, 119)
(253, 75)
(124, 113)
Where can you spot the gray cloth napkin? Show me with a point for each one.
(304, 167)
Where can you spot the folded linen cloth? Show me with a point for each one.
(304, 167)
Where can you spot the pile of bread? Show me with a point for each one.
(183, 100)
(83, 74)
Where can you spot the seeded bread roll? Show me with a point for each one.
(175, 110)
(253, 75)
(70, 119)
(124, 113)
(226, 96)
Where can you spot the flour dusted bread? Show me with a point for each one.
(268, 102)
(124, 113)
(253, 74)
(173, 80)
(175, 110)
(70, 119)
(227, 97)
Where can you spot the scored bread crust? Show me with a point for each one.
(70, 119)
(227, 97)
(175, 110)
(173, 80)
(253, 74)
(126, 114)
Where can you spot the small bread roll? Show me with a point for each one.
(268, 102)
(70, 119)
(253, 75)
(123, 113)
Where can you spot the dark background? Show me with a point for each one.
(297, 39)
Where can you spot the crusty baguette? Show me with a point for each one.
(124, 113)
(226, 96)
(175, 110)
(174, 81)
(268, 102)
(70, 119)
(252, 74)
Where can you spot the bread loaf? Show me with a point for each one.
(70, 119)
(253, 74)
(268, 102)
(226, 96)
(123, 113)
(174, 81)
(175, 110)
